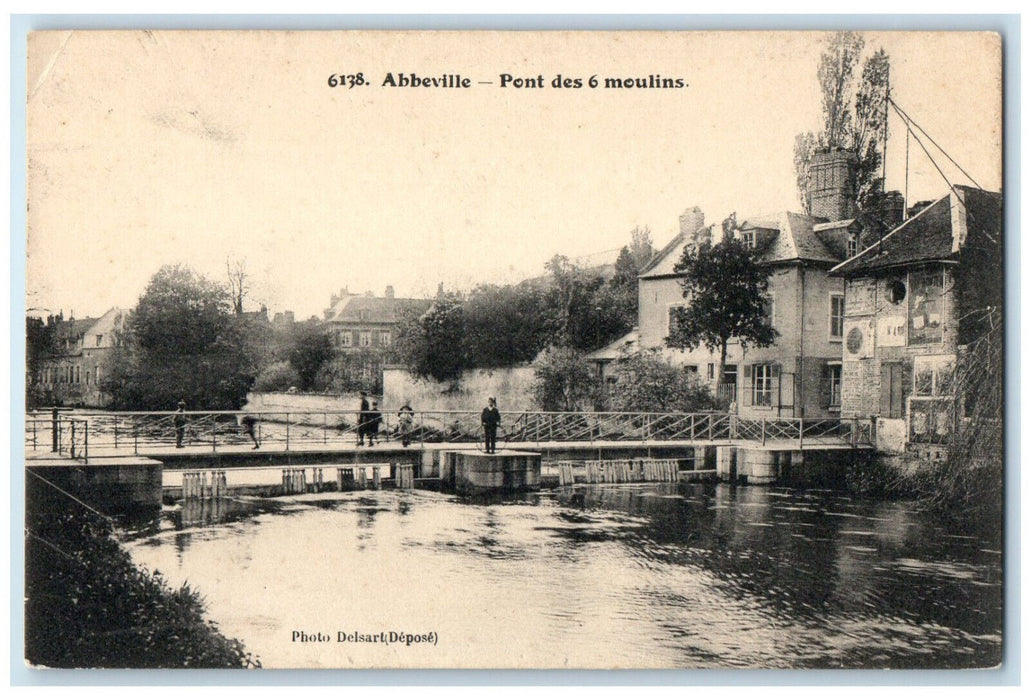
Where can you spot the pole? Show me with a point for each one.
(55, 437)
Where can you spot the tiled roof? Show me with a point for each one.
(794, 241)
(932, 234)
(356, 309)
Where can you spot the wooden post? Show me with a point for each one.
(376, 477)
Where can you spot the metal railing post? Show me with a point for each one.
(71, 449)
(55, 434)
(116, 433)
(85, 445)
(135, 436)
(801, 429)
(214, 444)
(763, 421)
(325, 424)
(855, 430)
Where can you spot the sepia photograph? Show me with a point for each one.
(514, 350)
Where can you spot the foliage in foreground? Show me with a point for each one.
(89, 606)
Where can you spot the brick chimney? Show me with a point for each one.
(389, 292)
(832, 184)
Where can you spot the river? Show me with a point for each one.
(614, 576)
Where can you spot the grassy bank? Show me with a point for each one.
(89, 606)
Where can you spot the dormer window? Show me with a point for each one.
(748, 238)
(852, 246)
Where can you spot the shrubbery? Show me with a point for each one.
(89, 606)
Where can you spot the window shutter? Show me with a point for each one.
(825, 386)
(896, 390)
(747, 381)
(775, 379)
(885, 390)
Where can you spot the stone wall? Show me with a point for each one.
(281, 401)
(513, 388)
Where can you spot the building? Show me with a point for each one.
(366, 322)
(71, 372)
(801, 374)
(913, 301)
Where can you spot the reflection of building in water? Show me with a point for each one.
(913, 301)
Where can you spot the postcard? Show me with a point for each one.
(514, 350)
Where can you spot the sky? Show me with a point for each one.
(152, 148)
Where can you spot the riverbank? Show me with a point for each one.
(89, 606)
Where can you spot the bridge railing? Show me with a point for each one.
(63, 436)
(145, 431)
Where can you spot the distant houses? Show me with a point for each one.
(71, 371)
(363, 321)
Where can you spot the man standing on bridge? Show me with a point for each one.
(179, 421)
(490, 419)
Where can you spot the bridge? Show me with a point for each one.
(83, 435)
(131, 457)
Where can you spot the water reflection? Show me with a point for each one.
(648, 575)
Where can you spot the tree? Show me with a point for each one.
(648, 383)
(236, 272)
(433, 345)
(564, 380)
(853, 116)
(312, 347)
(623, 286)
(505, 324)
(182, 343)
(726, 289)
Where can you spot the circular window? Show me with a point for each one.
(896, 291)
(854, 341)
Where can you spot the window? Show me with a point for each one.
(100, 339)
(837, 316)
(762, 384)
(896, 291)
(365, 338)
(691, 369)
(748, 238)
(345, 339)
(710, 371)
(834, 385)
(96, 378)
(384, 338)
(852, 246)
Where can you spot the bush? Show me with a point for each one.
(646, 382)
(278, 376)
(87, 605)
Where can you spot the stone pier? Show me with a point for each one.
(478, 472)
